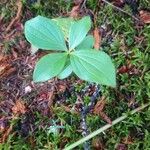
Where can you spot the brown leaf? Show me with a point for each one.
(98, 110)
(99, 105)
(123, 69)
(5, 68)
(75, 11)
(51, 96)
(130, 69)
(105, 117)
(97, 37)
(6, 134)
(145, 16)
(19, 108)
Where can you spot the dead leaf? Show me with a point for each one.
(19, 108)
(6, 134)
(97, 37)
(51, 96)
(6, 70)
(98, 110)
(75, 11)
(123, 69)
(130, 69)
(145, 16)
(105, 117)
(5, 67)
(99, 105)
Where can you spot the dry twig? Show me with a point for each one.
(18, 15)
(117, 8)
(97, 38)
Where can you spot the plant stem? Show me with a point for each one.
(102, 129)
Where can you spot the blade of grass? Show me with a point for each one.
(102, 129)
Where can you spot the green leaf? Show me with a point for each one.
(94, 66)
(45, 34)
(49, 66)
(78, 31)
(64, 24)
(66, 72)
(87, 43)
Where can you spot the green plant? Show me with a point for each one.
(74, 48)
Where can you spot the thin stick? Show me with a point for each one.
(102, 129)
(19, 5)
(105, 1)
(83, 4)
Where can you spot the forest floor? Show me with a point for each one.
(47, 116)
